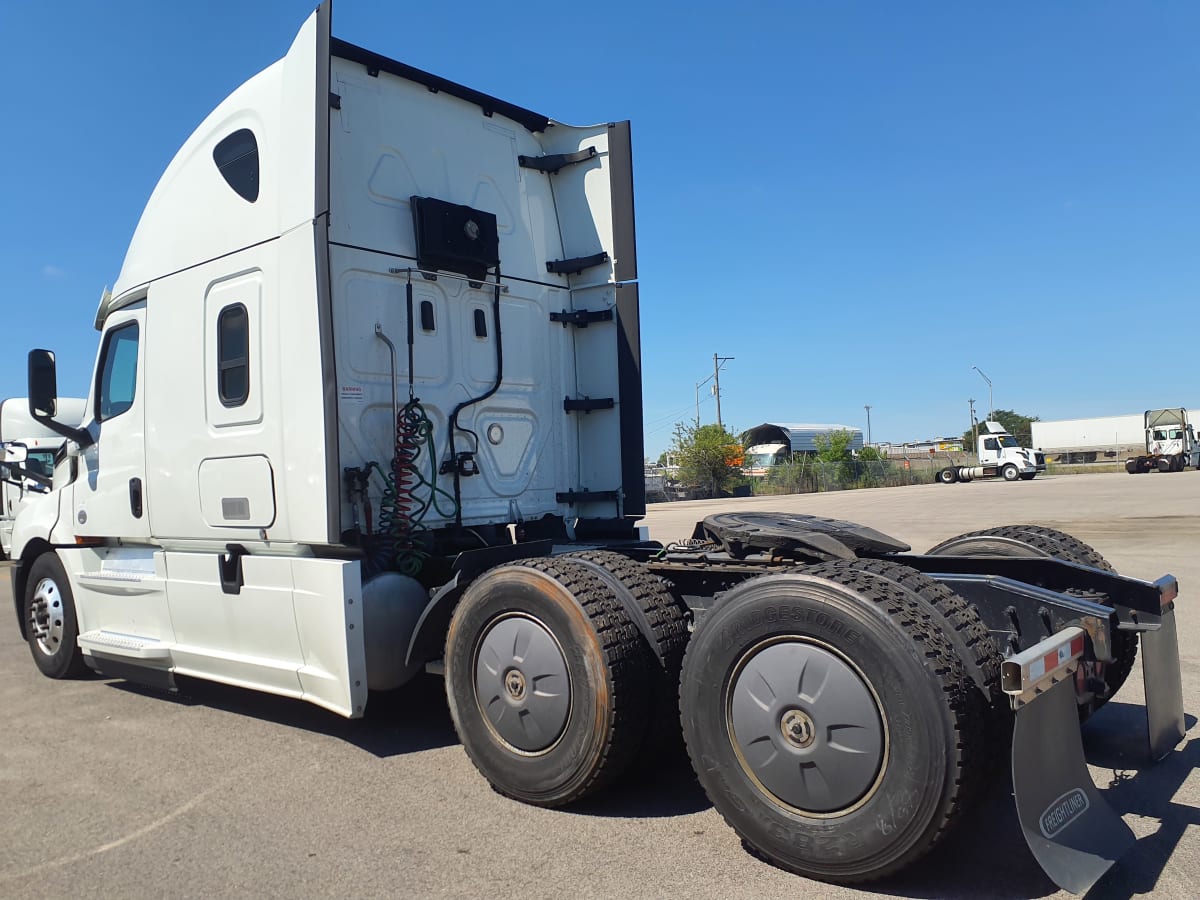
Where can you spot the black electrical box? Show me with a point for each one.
(452, 238)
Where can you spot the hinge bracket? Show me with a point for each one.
(576, 265)
(552, 162)
(582, 318)
(586, 496)
(587, 404)
(335, 100)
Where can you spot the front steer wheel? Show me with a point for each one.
(825, 717)
(546, 680)
(50, 623)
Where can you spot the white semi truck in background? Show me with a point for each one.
(1170, 443)
(27, 449)
(367, 403)
(1000, 456)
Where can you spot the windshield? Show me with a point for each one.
(759, 460)
(1007, 440)
(40, 462)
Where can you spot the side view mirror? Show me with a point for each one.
(15, 453)
(43, 397)
(43, 384)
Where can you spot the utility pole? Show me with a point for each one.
(867, 407)
(718, 362)
(974, 423)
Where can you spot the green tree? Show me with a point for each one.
(709, 456)
(835, 456)
(1018, 425)
(834, 446)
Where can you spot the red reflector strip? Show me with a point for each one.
(1021, 672)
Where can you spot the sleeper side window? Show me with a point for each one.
(233, 355)
(118, 372)
(237, 159)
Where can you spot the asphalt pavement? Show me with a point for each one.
(110, 790)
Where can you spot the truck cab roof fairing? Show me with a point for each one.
(194, 214)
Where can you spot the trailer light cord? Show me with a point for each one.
(453, 463)
(408, 495)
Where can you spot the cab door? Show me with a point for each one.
(110, 491)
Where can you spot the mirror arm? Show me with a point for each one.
(80, 436)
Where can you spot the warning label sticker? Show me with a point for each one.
(352, 393)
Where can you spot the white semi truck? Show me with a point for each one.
(1000, 456)
(1170, 443)
(367, 402)
(27, 450)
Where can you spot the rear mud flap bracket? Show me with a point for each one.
(1069, 826)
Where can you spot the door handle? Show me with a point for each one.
(135, 497)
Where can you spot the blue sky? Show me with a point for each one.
(857, 201)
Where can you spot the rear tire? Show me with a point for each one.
(757, 723)
(546, 681)
(1035, 540)
(51, 626)
(948, 476)
(667, 620)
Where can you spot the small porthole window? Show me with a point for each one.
(233, 355)
(237, 160)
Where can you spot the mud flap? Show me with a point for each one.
(1070, 828)
(1164, 685)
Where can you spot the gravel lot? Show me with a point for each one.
(109, 790)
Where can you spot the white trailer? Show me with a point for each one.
(367, 402)
(1088, 440)
(27, 450)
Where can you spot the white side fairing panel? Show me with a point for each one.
(293, 627)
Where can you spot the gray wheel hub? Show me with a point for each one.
(806, 726)
(522, 684)
(46, 617)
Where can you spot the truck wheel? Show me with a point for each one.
(966, 632)
(948, 476)
(667, 620)
(50, 622)
(824, 717)
(1034, 540)
(1010, 472)
(546, 681)
(1132, 467)
(1164, 464)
